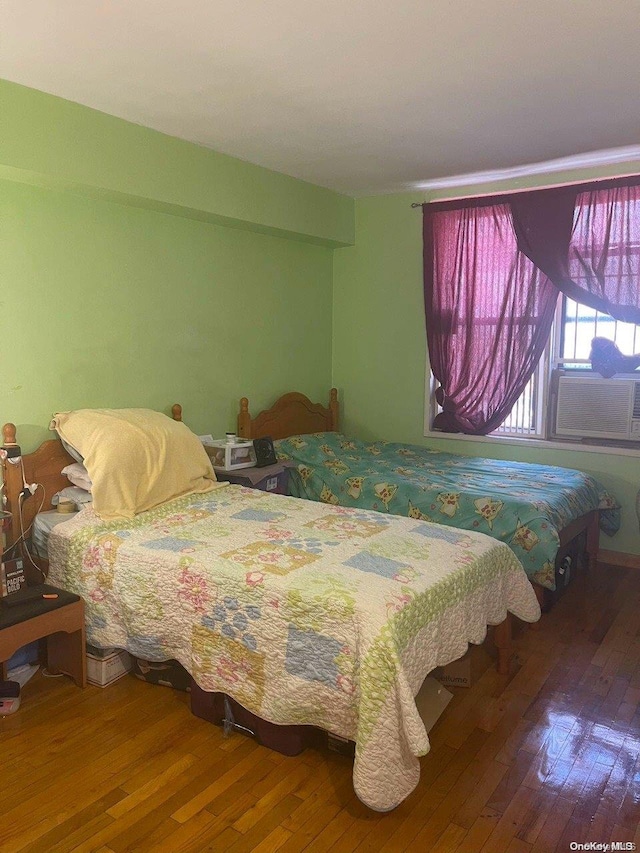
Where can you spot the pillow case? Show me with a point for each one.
(136, 459)
(73, 453)
(78, 495)
(78, 475)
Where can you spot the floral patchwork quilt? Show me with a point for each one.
(521, 504)
(302, 612)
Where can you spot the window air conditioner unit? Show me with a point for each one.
(592, 407)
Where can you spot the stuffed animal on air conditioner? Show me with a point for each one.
(607, 360)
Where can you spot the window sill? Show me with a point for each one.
(546, 444)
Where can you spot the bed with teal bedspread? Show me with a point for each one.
(522, 504)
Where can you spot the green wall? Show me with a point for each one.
(379, 345)
(107, 305)
(50, 142)
(141, 270)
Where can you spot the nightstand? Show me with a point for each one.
(271, 478)
(60, 620)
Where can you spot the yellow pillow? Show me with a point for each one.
(137, 458)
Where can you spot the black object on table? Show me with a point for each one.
(29, 602)
(272, 478)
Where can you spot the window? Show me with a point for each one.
(524, 282)
(575, 327)
(579, 324)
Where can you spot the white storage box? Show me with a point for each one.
(107, 666)
(231, 455)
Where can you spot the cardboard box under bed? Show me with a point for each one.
(104, 666)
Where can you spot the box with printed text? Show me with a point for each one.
(103, 669)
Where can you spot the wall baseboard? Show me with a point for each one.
(619, 558)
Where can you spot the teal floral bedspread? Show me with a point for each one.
(521, 504)
(304, 613)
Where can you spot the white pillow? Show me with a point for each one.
(73, 453)
(78, 475)
(72, 493)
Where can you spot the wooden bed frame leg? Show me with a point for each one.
(593, 541)
(541, 596)
(502, 639)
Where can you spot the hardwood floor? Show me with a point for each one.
(532, 763)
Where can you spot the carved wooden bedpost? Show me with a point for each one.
(11, 475)
(9, 436)
(502, 639)
(244, 419)
(334, 408)
(176, 412)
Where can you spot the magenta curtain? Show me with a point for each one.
(493, 268)
(587, 240)
(489, 312)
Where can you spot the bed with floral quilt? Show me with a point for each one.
(302, 612)
(524, 505)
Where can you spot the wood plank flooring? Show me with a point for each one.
(525, 764)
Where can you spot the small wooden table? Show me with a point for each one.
(59, 620)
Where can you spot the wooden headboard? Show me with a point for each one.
(44, 467)
(291, 414)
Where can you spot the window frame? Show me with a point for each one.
(550, 361)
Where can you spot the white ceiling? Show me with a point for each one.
(363, 96)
